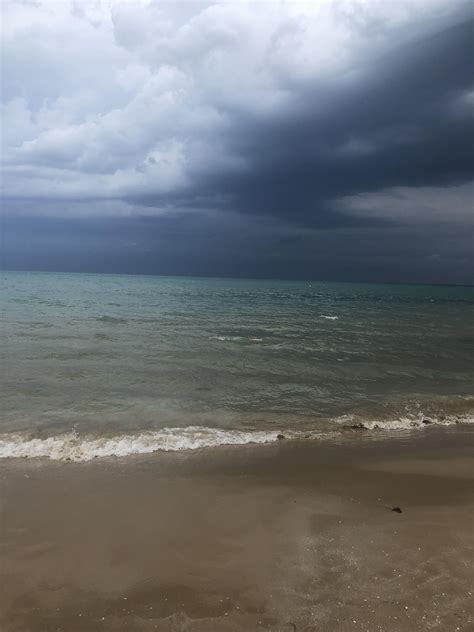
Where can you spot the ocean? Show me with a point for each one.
(102, 365)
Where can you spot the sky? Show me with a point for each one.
(326, 140)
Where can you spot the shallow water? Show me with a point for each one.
(87, 357)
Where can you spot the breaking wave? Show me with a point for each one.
(236, 338)
(408, 422)
(72, 446)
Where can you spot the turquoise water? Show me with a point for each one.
(103, 354)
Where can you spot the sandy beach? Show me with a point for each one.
(290, 536)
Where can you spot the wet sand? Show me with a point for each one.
(290, 536)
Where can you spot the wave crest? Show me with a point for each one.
(408, 422)
(72, 446)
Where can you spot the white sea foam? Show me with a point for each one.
(71, 446)
(236, 338)
(329, 317)
(408, 422)
(74, 447)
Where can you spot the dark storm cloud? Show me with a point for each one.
(323, 139)
(235, 247)
(403, 124)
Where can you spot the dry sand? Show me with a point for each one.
(291, 536)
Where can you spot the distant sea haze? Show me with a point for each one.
(108, 365)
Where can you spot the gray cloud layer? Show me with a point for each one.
(269, 139)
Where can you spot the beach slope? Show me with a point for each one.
(289, 536)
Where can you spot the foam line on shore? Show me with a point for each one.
(72, 446)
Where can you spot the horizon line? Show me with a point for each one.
(234, 278)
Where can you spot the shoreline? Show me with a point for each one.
(247, 537)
